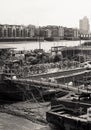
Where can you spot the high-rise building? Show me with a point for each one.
(84, 26)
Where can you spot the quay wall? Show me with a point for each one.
(17, 39)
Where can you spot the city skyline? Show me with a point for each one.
(44, 12)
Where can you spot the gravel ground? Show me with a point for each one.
(10, 122)
(24, 116)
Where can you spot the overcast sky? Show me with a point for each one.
(44, 12)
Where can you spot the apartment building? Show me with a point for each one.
(15, 31)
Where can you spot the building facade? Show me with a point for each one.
(17, 31)
(71, 33)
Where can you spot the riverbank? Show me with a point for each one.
(33, 111)
(10, 122)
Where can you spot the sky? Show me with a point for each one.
(44, 12)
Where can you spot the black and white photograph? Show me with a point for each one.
(45, 65)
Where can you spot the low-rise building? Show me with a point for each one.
(71, 34)
(54, 32)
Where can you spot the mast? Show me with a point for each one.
(39, 39)
(80, 50)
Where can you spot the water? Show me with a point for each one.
(35, 45)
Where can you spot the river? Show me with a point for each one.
(25, 45)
